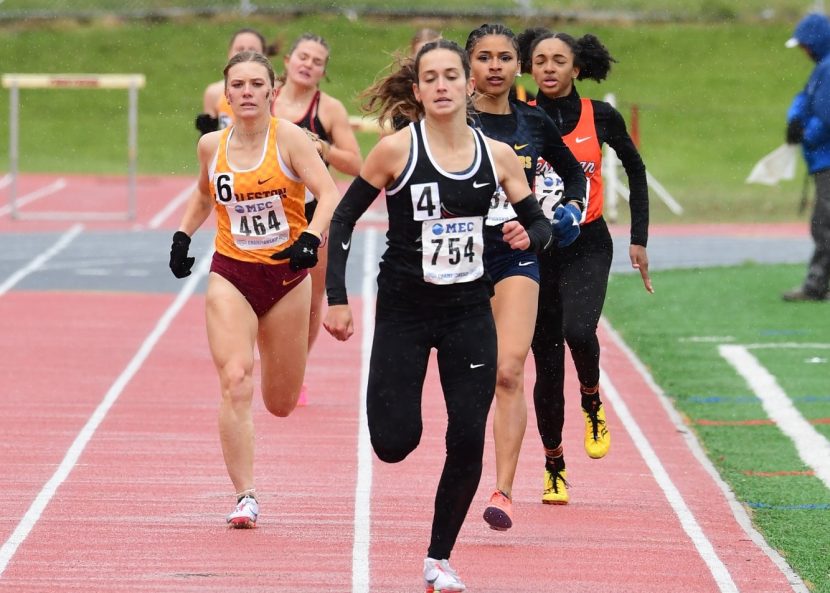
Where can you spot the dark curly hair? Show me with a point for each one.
(591, 57)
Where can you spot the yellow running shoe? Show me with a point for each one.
(597, 437)
(556, 487)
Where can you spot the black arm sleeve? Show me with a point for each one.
(355, 202)
(533, 220)
(618, 139)
(564, 163)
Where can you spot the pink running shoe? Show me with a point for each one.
(498, 511)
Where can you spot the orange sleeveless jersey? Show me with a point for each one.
(259, 211)
(585, 146)
(223, 112)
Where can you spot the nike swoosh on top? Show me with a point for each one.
(581, 140)
(261, 181)
(525, 263)
(475, 366)
(519, 146)
(345, 245)
(476, 184)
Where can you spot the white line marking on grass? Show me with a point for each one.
(787, 345)
(687, 519)
(52, 188)
(812, 447)
(27, 523)
(171, 206)
(363, 488)
(738, 510)
(41, 259)
(707, 339)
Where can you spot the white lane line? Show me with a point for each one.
(32, 515)
(738, 510)
(812, 447)
(41, 259)
(171, 207)
(363, 488)
(687, 519)
(5, 180)
(47, 190)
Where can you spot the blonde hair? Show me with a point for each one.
(250, 56)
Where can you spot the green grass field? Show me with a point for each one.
(676, 333)
(666, 10)
(712, 98)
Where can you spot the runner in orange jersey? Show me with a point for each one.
(255, 175)
(574, 279)
(216, 113)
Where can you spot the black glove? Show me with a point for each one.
(180, 264)
(206, 123)
(795, 132)
(302, 253)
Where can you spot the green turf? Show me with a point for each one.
(741, 305)
(649, 9)
(712, 98)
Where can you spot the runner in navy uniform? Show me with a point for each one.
(575, 279)
(494, 57)
(439, 175)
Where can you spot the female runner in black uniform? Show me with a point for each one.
(300, 100)
(494, 58)
(439, 175)
(574, 279)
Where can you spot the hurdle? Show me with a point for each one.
(615, 188)
(131, 82)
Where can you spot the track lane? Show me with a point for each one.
(144, 510)
(156, 467)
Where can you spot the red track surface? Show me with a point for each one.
(143, 509)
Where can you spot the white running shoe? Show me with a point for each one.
(245, 514)
(439, 577)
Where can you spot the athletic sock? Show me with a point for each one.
(554, 459)
(590, 398)
(249, 493)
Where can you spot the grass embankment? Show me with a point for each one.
(712, 98)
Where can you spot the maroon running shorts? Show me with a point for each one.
(261, 284)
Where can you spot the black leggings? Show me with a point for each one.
(818, 271)
(466, 345)
(571, 295)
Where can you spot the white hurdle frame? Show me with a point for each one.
(131, 82)
(614, 188)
